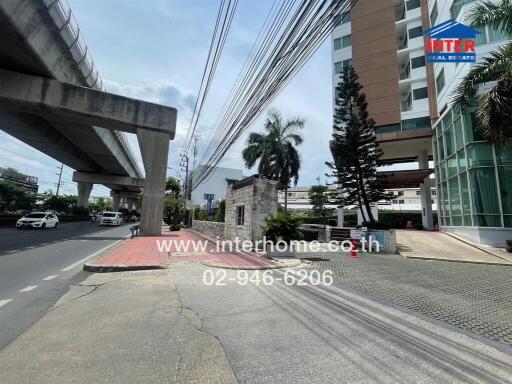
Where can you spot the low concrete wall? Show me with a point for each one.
(209, 228)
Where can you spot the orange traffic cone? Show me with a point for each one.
(353, 253)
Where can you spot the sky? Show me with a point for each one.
(155, 50)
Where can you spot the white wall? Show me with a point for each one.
(217, 184)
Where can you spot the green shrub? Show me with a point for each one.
(379, 225)
(329, 220)
(509, 243)
(309, 234)
(79, 211)
(175, 227)
(284, 226)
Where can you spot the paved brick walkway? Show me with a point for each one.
(181, 246)
(474, 297)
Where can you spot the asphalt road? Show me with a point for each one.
(38, 266)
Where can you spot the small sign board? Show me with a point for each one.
(355, 234)
(364, 229)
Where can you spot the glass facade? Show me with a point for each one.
(474, 179)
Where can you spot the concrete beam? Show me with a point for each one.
(126, 194)
(85, 106)
(97, 178)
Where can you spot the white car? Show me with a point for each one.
(111, 218)
(38, 220)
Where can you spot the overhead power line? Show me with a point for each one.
(222, 26)
(290, 35)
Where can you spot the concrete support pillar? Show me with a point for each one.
(84, 192)
(116, 199)
(154, 148)
(341, 217)
(132, 204)
(427, 217)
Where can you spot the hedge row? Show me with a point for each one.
(391, 219)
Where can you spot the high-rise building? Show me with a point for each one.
(409, 99)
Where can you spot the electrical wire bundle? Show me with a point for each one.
(291, 33)
(222, 25)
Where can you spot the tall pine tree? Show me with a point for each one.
(354, 148)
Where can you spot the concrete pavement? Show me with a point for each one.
(440, 246)
(117, 328)
(168, 326)
(37, 267)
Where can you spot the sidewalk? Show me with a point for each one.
(440, 246)
(144, 253)
(126, 327)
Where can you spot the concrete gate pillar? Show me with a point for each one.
(116, 200)
(84, 192)
(154, 148)
(427, 216)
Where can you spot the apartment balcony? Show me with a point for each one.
(403, 42)
(400, 12)
(405, 71)
(406, 104)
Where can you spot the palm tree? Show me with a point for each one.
(276, 151)
(494, 105)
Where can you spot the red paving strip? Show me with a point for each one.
(143, 251)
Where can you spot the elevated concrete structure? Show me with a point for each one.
(80, 106)
(51, 98)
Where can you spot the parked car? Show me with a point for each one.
(38, 220)
(111, 218)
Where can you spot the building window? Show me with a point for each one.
(457, 6)
(401, 201)
(344, 19)
(496, 35)
(415, 32)
(337, 43)
(440, 82)
(346, 41)
(420, 93)
(481, 39)
(412, 4)
(433, 193)
(434, 14)
(417, 62)
(240, 215)
(418, 123)
(338, 67)
(418, 193)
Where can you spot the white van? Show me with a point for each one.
(111, 218)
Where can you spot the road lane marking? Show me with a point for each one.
(70, 267)
(3, 302)
(51, 277)
(28, 289)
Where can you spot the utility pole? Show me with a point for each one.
(186, 185)
(60, 178)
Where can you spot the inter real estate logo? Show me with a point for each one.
(451, 42)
